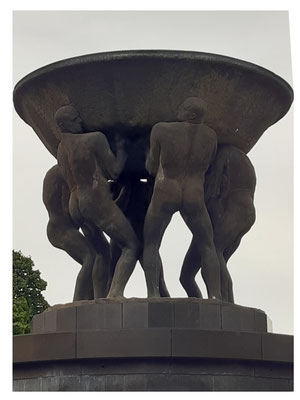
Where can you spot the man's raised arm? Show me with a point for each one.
(152, 162)
(216, 174)
(113, 165)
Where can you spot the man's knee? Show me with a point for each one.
(55, 231)
(204, 243)
(100, 270)
(150, 249)
(187, 280)
(187, 276)
(132, 249)
(184, 278)
(200, 225)
(89, 257)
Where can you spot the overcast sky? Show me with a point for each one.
(262, 267)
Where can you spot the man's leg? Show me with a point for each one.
(200, 225)
(69, 239)
(155, 226)
(101, 269)
(237, 219)
(115, 255)
(226, 281)
(227, 253)
(231, 249)
(108, 217)
(163, 290)
(121, 232)
(190, 268)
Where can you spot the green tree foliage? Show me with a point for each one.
(27, 297)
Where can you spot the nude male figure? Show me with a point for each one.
(87, 163)
(90, 251)
(134, 202)
(230, 187)
(180, 154)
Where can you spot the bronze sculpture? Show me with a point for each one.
(173, 161)
(108, 92)
(180, 154)
(90, 250)
(230, 187)
(138, 195)
(87, 164)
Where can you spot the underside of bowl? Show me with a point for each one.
(127, 92)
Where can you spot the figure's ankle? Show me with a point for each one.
(215, 295)
(115, 296)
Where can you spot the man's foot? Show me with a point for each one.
(115, 295)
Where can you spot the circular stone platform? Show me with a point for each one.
(152, 345)
(137, 313)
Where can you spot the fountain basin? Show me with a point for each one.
(129, 91)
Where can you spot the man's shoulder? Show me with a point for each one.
(159, 125)
(157, 129)
(96, 135)
(207, 129)
(165, 126)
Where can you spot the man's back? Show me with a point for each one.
(79, 160)
(55, 193)
(180, 154)
(238, 171)
(186, 149)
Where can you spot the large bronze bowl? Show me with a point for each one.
(129, 91)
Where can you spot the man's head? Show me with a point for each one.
(192, 110)
(68, 119)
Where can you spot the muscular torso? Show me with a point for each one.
(186, 150)
(56, 193)
(232, 212)
(238, 173)
(79, 163)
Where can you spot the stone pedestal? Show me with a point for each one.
(152, 345)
